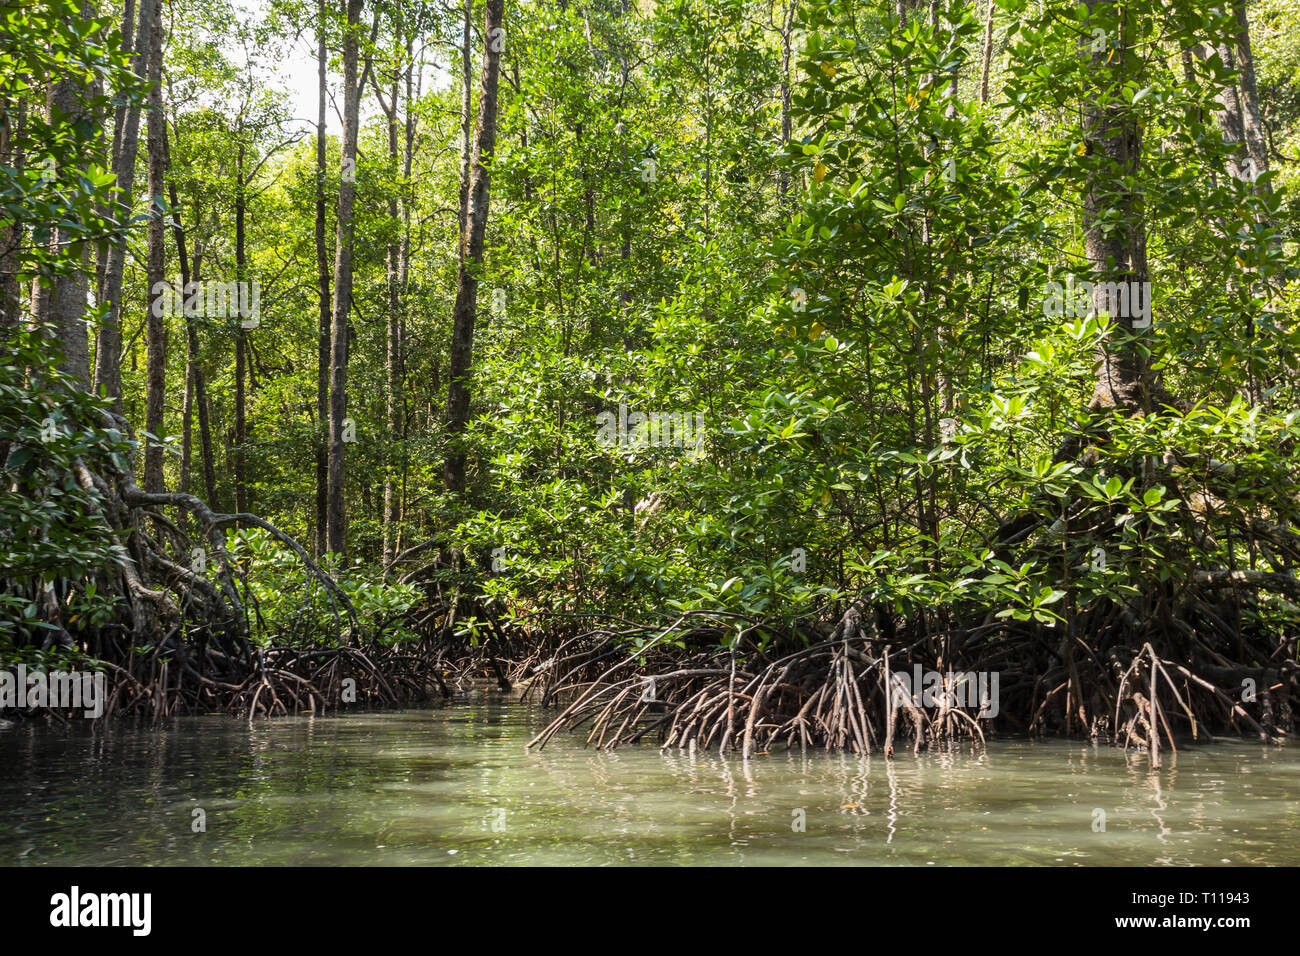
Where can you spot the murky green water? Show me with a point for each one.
(456, 786)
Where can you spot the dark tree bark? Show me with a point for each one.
(323, 295)
(11, 236)
(119, 111)
(476, 214)
(119, 123)
(155, 321)
(194, 376)
(337, 515)
(187, 433)
(394, 343)
(108, 373)
(206, 446)
(466, 113)
(404, 275)
(193, 372)
(787, 26)
(241, 339)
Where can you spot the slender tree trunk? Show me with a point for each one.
(155, 320)
(523, 126)
(404, 277)
(337, 516)
(192, 370)
(466, 105)
(195, 378)
(323, 296)
(108, 372)
(1229, 115)
(12, 115)
(1252, 118)
(119, 123)
(1242, 126)
(230, 449)
(119, 110)
(986, 61)
(187, 435)
(476, 213)
(206, 446)
(708, 134)
(394, 252)
(67, 294)
(787, 25)
(1117, 253)
(241, 340)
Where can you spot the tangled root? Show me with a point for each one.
(844, 692)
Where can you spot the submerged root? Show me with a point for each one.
(175, 679)
(838, 693)
(856, 691)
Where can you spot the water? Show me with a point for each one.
(456, 786)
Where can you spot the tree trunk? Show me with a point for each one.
(67, 296)
(108, 372)
(1252, 119)
(1229, 115)
(404, 274)
(987, 59)
(394, 252)
(119, 123)
(323, 297)
(187, 435)
(193, 374)
(466, 105)
(787, 25)
(476, 213)
(193, 365)
(337, 516)
(241, 340)
(155, 320)
(1117, 253)
(206, 447)
(12, 116)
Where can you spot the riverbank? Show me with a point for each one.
(871, 684)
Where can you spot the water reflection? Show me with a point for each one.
(456, 787)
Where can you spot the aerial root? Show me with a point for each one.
(850, 689)
(179, 641)
(837, 694)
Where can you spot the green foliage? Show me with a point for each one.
(290, 607)
(50, 530)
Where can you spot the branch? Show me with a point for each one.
(215, 521)
(1263, 580)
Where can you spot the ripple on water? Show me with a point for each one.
(456, 787)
